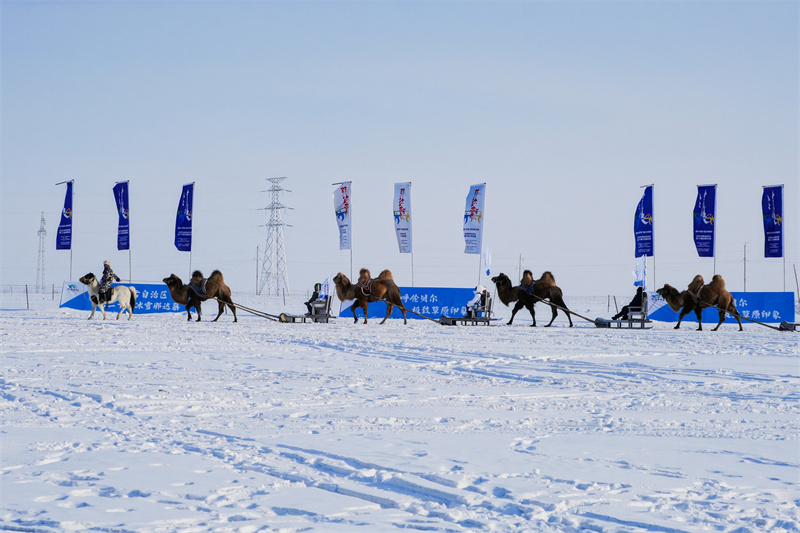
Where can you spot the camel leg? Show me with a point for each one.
(355, 305)
(684, 311)
(560, 301)
(699, 314)
(519, 305)
(732, 310)
(364, 310)
(233, 310)
(552, 318)
(221, 309)
(531, 309)
(389, 308)
(721, 320)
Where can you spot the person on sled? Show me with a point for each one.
(635, 302)
(479, 299)
(314, 298)
(106, 280)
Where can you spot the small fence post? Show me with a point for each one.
(27, 301)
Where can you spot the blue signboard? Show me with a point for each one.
(150, 298)
(643, 225)
(768, 307)
(432, 302)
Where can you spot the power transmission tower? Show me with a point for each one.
(273, 268)
(40, 266)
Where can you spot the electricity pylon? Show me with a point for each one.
(40, 266)
(273, 267)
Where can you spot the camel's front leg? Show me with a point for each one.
(519, 305)
(353, 308)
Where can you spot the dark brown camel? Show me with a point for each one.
(200, 290)
(700, 296)
(682, 302)
(544, 289)
(370, 290)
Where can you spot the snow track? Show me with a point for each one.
(163, 425)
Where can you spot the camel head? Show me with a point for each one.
(504, 290)
(173, 281)
(342, 286)
(672, 296)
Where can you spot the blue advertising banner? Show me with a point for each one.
(433, 302)
(123, 229)
(772, 209)
(643, 224)
(150, 298)
(703, 219)
(64, 234)
(769, 307)
(183, 222)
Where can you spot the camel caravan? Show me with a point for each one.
(527, 293)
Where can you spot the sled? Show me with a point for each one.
(320, 312)
(481, 315)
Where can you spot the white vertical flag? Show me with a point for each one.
(341, 203)
(487, 260)
(473, 219)
(402, 216)
(640, 273)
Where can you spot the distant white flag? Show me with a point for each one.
(402, 216)
(487, 260)
(341, 203)
(473, 219)
(640, 273)
(327, 287)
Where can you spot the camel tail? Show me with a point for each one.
(386, 274)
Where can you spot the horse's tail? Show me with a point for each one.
(133, 298)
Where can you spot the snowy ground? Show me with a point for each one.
(159, 424)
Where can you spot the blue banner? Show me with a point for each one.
(123, 229)
(183, 222)
(150, 298)
(64, 234)
(703, 218)
(643, 224)
(768, 307)
(772, 209)
(433, 302)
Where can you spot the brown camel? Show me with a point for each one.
(698, 297)
(200, 289)
(543, 289)
(370, 290)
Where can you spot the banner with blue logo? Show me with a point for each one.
(432, 302)
(643, 225)
(150, 298)
(123, 228)
(64, 234)
(402, 216)
(473, 219)
(183, 222)
(772, 209)
(703, 218)
(768, 307)
(341, 206)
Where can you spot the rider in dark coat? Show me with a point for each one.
(636, 302)
(106, 280)
(314, 297)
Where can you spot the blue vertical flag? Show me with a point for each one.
(643, 224)
(123, 228)
(64, 234)
(183, 222)
(704, 219)
(772, 209)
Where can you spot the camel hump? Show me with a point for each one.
(217, 273)
(364, 275)
(548, 278)
(386, 274)
(697, 283)
(197, 274)
(718, 281)
(527, 277)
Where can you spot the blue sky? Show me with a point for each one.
(563, 109)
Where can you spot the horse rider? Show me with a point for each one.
(106, 280)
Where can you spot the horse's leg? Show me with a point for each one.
(93, 299)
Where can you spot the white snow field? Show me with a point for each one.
(159, 424)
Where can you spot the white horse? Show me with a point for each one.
(126, 296)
